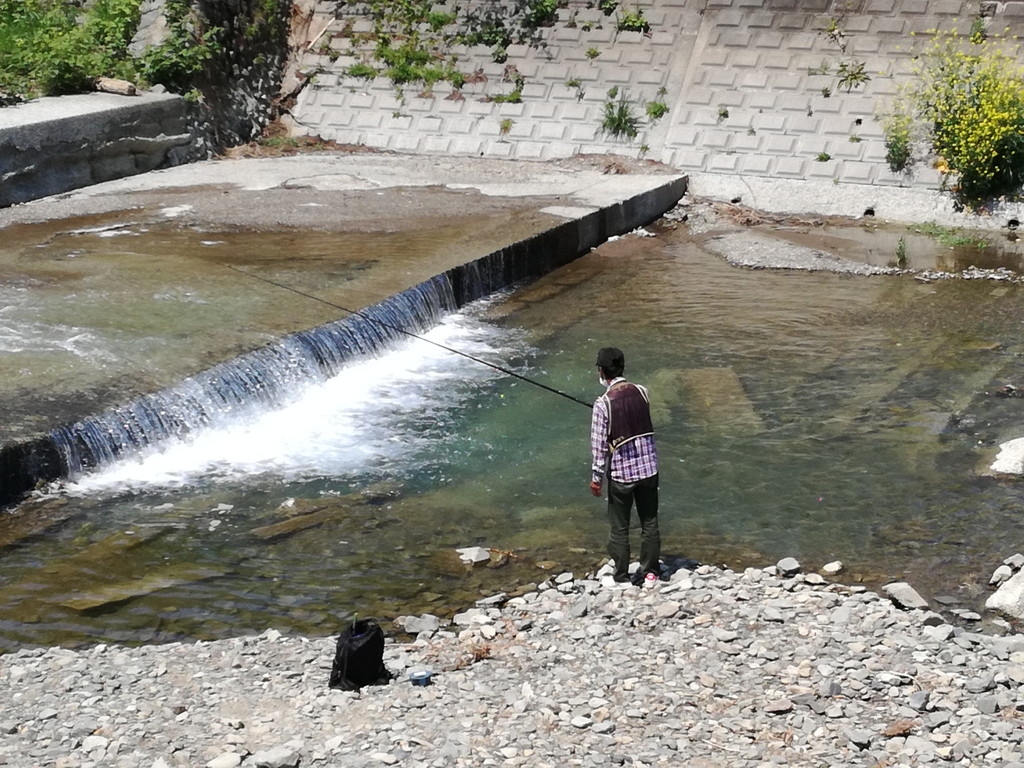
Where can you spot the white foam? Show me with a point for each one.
(373, 413)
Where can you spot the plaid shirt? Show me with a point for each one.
(633, 461)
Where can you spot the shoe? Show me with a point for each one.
(620, 578)
(637, 579)
(651, 579)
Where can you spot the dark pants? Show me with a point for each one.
(621, 497)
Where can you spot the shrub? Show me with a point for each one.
(48, 52)
(541, 13)
(971, 95)
(180, 59)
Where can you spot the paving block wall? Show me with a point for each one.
(745, 81)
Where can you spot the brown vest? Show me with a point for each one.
(629, 414)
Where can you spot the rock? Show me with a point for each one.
(981, 684)
(1009, 598)
(904, 595)
(276, 757)
(227, 760)
(94, 742)
(788, 566)
(859, 737)
(1015, 561)
(492, 600)
(1010, 459)
(423, 623)
(474, 555)
(919, 700)
(112, 85)
(779, 706)
(833, 568)
(1001, 574)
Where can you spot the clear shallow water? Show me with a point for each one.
(799, 414)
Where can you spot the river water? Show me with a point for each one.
(815, 415)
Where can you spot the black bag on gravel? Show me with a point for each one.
(359, 657)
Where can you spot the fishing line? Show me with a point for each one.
(363, 315)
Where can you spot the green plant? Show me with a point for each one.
(52, 48)
(633, 21)
(901, 253)
(541, 13)
(656, 110)
(516, 95)
(643, 150)
(833, 30)
(576, 83)
(855, 139)
(951, 237)
(823, 157)
(181, 58)
(438, 20)
(607, 7)
(723, 113)
(971, 97)
(979, 30)
(505, 126)
(278, 142)
(362, 71)
(592, 53)
(896, 127)
(851, 75)
(618, 119)
(408, 63)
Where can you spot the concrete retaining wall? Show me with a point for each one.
(54, 145)
(742, 79)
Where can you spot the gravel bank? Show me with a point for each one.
(714, 668)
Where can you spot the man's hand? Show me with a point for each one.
(595, 487)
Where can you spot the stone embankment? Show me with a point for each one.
(713, 668)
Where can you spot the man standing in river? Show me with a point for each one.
(623, 449)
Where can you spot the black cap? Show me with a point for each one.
(611, 359)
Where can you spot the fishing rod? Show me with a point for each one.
(363, 315)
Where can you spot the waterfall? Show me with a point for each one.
(265, 378)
